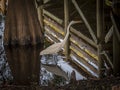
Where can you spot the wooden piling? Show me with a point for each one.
(100, 34)
(66, 21)
(22, 25)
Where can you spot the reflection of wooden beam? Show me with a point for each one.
(24, 63)
(85, 21)
(109, 35)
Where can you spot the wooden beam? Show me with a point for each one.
(40, 16)
(84, 63)
(109, 35)
(85, 21)
(53, 16)
(66, 21)
(83, 54)
(100, 34)
(79, 34)
(54, 26)
(108, 59)
(83, 46)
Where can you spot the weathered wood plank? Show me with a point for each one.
(81, 65)
(109, 35)
(83, 55)
(53, 25)
(57, 34)
(84, 46)
(79, 34)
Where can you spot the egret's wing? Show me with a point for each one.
(51, 49)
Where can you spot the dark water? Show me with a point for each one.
(24, 66)
(20, 65)
(24, 62)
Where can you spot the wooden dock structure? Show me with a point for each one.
(93, 45)
(90, 45)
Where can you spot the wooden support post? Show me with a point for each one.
(100, 34)
(22, 27)
(116, 54)
(66, 21)
(40, 15)
(116, 36)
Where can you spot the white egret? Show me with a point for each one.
(58, 46)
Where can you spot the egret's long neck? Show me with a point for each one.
(67, 34)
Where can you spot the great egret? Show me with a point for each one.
(58, 46)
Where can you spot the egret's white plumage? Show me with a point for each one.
(51, 49)
(58, 46)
